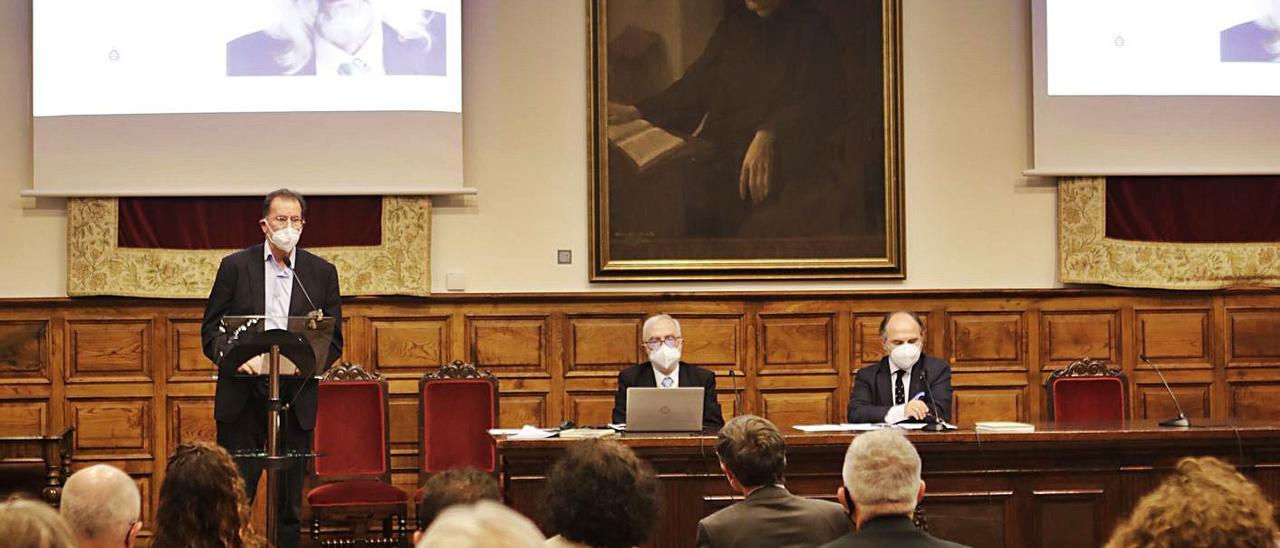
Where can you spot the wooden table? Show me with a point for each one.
(1062, 485)
(36, 465)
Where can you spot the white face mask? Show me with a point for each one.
(286, 238)
(905, 355)
(665, 357)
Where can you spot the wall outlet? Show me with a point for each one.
(564, 256)
(455, 281)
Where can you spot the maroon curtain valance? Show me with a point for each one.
(1194, 209)
(232, 222)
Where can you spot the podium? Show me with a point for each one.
(304, 341)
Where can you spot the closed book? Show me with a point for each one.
(1003, 426)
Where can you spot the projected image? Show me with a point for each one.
(1256, 41)
(1162, 47)
(343, 38)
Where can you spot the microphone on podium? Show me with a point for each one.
(1181, 419)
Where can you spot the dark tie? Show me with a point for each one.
(899, 394)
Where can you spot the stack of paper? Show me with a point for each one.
(1003, 426)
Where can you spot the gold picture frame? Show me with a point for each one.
(713, 157)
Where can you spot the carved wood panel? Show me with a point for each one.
(187, 362)
(1175, 338)
(24, 417)
(509, 346)
(108, 350)
(1255, 400)
(987, 341)
(787, 409)
(190, 419)
(603, 345)
(1069, 517)
(517, 410)
(1070, 336)
(952, 515)
(970, 405)
(1154, 403)
(1251, 337)
(712, 341)
(24, 350)
(588, 409)
(408, 347)
(111, 427)
(796, 344)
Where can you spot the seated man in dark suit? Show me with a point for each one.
(895, 388)
(661, 339)
(881, 488)
(753, 456)
(342, 37)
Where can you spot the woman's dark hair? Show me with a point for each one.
(202, 501)
(600, 494)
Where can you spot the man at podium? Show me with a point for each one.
(275, 279)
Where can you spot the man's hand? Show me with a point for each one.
(621, 114)
(252, 366)
(757, 168)
(916, 409)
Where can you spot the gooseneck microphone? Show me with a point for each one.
(315, 311)
(935, 425)
(1181, 419)
(737, 398)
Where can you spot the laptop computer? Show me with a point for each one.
(664, 409)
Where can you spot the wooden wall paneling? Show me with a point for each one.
(1255, 395)
(1251, 339)
(601, 345)
(990, 396)
(111, 426)
(986, 340)
(1151, 399)
(510, 346)
(190, 419)
(952, 515)
(1178, 338)
(800, 348)
(1069, 517)
(108, 350)
(24, 417)
(715, 341)
(407, 347)
(24, 351)
(1067, 336)
(184, 358)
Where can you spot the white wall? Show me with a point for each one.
(972, 220)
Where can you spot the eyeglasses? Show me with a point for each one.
(281, 220)
(654, 343)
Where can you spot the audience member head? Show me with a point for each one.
(202, 497)
(485, 524)
(102, 507)
(1206, 503)
(450, 487)
(752, 452)
(600, 494)
(881, 476)
(30, 524)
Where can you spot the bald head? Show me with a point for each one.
(901, 327)
(102, 506)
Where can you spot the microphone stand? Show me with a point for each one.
(1181, 419)
(934, 424)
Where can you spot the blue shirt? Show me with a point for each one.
(279, 288)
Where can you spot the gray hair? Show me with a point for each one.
(882, 473)
(485, 524)
(654, 319)
(100, 501)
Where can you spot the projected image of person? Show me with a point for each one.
(343, 38)
(1256, 41)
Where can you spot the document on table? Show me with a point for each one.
(843, 427)
(526, 433)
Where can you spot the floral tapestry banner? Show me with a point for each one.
(1086, 254)
(98, 265)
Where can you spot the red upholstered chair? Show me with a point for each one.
(1087, 390)
(458, 404)
(353, 458)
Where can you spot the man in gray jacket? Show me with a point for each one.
(753, 455)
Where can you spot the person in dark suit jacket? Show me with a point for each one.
(894, 389)
(414, 46)
(881, 488)
(753, 456)
(661, 339)
(301, 284)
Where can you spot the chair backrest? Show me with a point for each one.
(457, 404)
(1087, 390)
(351, 433)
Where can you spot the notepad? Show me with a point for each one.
(1003, 426)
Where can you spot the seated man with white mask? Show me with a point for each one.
(660, 338)
(895, 388)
